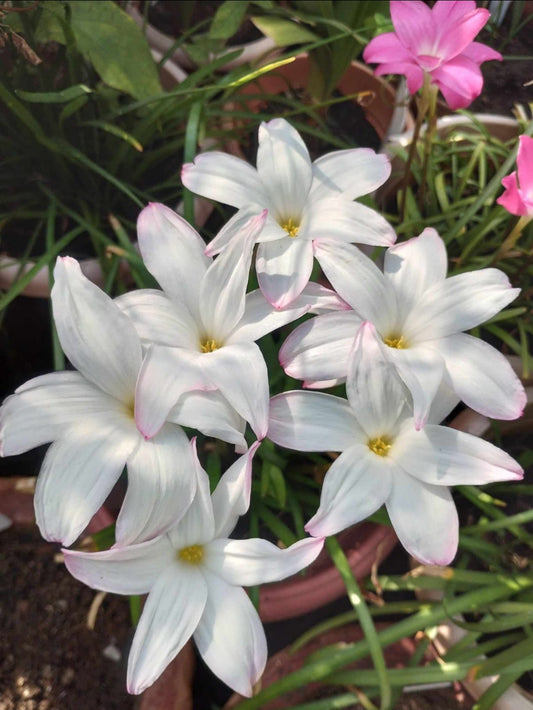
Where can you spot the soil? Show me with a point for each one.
(49, 659)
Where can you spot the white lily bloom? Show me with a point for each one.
(193, 576)
(89, 417)
(305, 201)
(419, 315)
(385, 459)
(203, 324)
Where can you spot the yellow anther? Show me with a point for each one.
(380, 446)
(291, 227)
(395, 341)
(209, 345)
(193, 554)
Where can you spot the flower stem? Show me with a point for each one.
(511, 239)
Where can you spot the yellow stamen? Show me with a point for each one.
(209, 345)
(291, 227)
(193, 554)
(380, 446)
(395, 341)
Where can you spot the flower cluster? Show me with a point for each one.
(155, 360)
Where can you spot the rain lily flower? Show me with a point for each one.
(419, 315)
(385, 459)
(193, 576)
(435, 42)
(203, 324)
(89, 417)
(518, 196)
(305, 201)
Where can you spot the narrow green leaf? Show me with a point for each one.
(284, 32)
(54, 97)
(116, 131)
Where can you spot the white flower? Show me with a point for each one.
(305, 201)
(419, 314)
(203, 324)
(194, 577)
(89, 417)
(384, 458)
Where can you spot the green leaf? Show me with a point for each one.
(284, 32)
(107, 37)
(54, 97)
(227, 19)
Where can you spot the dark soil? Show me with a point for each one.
(49, 659)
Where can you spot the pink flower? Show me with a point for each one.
(518, 196)
(437, 41)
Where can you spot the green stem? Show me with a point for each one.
(357, 601)
(511, 239)
(431, 129)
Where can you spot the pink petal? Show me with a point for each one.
(460, 81)
(511, 198)
(524, 164)
(412, 71)
(457, 32)
(414, 24)
(386, 48)
(479, 53)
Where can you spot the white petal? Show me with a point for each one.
(443, 404)
(224, 178)
(231, 497)
(425, 519)
(239, 371)
(174, 253)
(157, 319)
(375, 392)
(459, 303)
(283, 269)
(492, 389)
(322, 299)
(197, 526)
(212, 414)
(422, 370)
(122, 570)
(97, 338)
(166, 373)
(337, 219)
(353, 172)
(312, 421)
(415, 266)
(447, 457)
(44, 407)
(284, 167)
(260, 317)
(223, 290)
(257, 561)
(359, 281)
(355, 486)
(78, 473)
(230, 637)
(232, 230)
(319, 348)
(169, 618)
(161, 486)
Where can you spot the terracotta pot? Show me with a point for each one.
(377, 98)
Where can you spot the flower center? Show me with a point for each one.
(291, 227)
(209, 345)
(395, 341)
(380, 446)
(193, 554)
